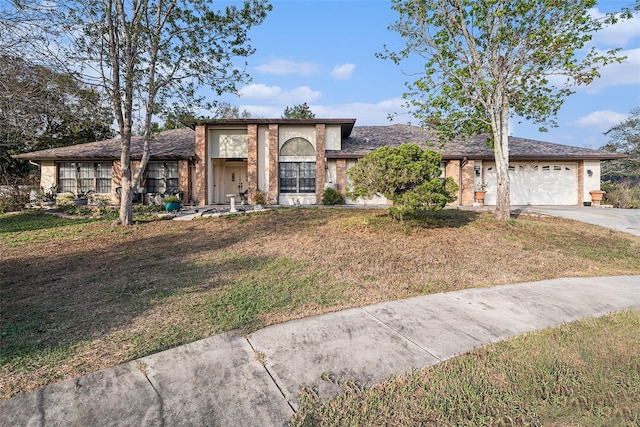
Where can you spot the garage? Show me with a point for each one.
(536, 183)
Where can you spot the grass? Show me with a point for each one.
(581, 374)
(82, 295)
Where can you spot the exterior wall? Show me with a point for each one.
(341, 176)
(375, 201)
(184, 179)
(320, 162)
(228, 143)
(590, 182)
(452, 169)
(333, 138)
(466, 193)
(274, 149)
(48, 174)
(252, 161)
(263, 159)
(202, 167)
(330, 176)
(116, 180)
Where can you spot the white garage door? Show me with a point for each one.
(535, 183)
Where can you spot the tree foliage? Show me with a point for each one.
(407, 175)
(624, 138)
(225, 110)
(141, 53)
(41, 109)
(300, 111)
(486, 61)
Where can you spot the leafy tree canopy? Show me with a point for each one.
(227, 111)
(486, 61)
(624, 138)
(406, 175)
(144, 53)
(301, 111)
(41, 109)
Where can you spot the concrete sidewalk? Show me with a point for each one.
(230, 380)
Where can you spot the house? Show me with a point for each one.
(292, 161)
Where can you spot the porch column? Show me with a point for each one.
(320, 162)
(467, 188)
(581, 183)
(341, 175)
(252, 161)
(453, 170)
(201, 166)
(273, 162)
(184, 179)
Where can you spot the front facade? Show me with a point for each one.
(292, 162)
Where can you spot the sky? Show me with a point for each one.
(323, 53)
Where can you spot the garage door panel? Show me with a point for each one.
(536, 183)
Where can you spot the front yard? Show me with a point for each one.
(79, 296)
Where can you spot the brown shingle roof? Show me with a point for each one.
(180, 144)
(365, 139)
(170, 145)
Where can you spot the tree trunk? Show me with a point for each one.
(500, 128)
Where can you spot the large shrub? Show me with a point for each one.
(407, 175)
(13, 198)
(623, 194)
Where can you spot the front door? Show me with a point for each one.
(235, 179)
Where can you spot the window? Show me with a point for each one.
(297, 147)
(161, 176)
(298, 177)
(80, 177)
(297, 166)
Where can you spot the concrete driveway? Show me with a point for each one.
(625, 220)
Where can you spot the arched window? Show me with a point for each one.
(297, 166)
(297, 147)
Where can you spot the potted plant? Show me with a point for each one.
(596, 197)
(259, 200)
(481, 191)
(81, 198)
(48, 197)
(172, 203)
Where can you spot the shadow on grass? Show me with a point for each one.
(54, 301)
(32, 221)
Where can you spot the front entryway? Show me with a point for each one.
(235, 179)
(227, 178)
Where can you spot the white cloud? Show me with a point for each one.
(618, 35)
(275, 94)
(260, 91)
(283, 67)
(343, 72)
(623, 74)
(626, 73)
(600, 120)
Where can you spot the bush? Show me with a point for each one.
(260, 198)
(332, 196)
(623, 194)
(13, 198)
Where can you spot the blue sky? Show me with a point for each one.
(322, 52)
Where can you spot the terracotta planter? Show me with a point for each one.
(480, 197)
(596, 197)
